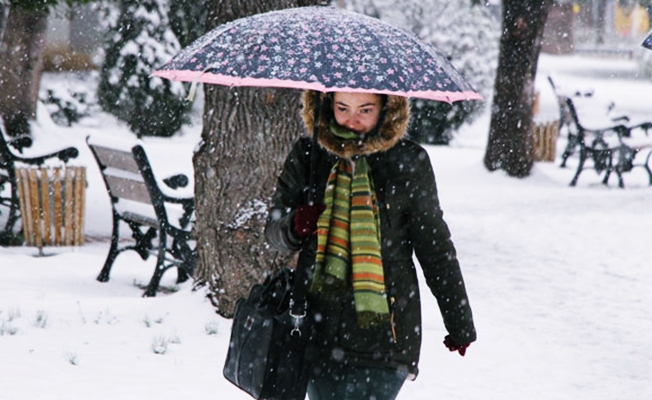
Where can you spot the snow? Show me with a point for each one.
(558, 278)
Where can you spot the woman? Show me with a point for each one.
(377, 204)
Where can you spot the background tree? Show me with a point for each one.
(601, 21)
(187, 20)
(4, 12)
(23, 24)
(139, 40)
(21, 61)
(247, 133)
(510, 140)
(464, 32)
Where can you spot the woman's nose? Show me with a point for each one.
(351, 122)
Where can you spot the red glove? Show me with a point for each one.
(452, 346)
(305, 219)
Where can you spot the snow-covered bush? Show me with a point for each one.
(187, 20)
(139, 41)
(468, 35)
(65, 105)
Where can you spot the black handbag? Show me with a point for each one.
(269, 338)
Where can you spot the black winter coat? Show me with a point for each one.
(411, 223)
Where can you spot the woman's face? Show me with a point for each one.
(358, 112)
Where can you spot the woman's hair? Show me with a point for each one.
(327, 103)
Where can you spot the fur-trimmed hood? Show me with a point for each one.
(395, 117)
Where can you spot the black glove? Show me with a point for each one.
(452, 346)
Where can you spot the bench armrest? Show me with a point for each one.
(176, 181)
(645, 126)
(20, 142)
(612, 134)
(626, 131)
(188, 205)
(622, 118)
(64, 155)
(184, 201)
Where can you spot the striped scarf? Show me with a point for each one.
(348, 242)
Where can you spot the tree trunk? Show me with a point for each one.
(510, 137)
(246, 135)
(558, 36)
(601, 22)
(4, 12)
(21, 65)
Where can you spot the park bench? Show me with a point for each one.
(160, 222)
(611, 149)
(12, 157)
(566, 122)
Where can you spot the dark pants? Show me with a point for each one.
(350, 382)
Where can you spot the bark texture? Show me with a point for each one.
(4, 12)
(247, 133)
(510, 132)
(21, 66)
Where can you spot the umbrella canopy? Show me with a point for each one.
(319, 48)
(647, 43)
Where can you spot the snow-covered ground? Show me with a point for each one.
(559, 281)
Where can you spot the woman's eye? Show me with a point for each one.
(342, 110)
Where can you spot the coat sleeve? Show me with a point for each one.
(436, 253)
(289, 194)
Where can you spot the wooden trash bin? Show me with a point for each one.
(52, 203)
(544, 141)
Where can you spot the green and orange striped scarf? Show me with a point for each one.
(348, 242)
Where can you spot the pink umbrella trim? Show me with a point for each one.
(225, 80)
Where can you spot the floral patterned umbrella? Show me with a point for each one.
(319, 48)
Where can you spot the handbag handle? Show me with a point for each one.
(302, 279)
(270, 286)
(312, 189)
(303, 273)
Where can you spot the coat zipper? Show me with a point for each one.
(392, 300)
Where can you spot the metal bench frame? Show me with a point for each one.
(129, 176)
(566, 122)
(592, 144)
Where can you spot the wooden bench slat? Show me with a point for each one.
(116, 158)
(121, 173)
(128, 189)
(139, 218)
